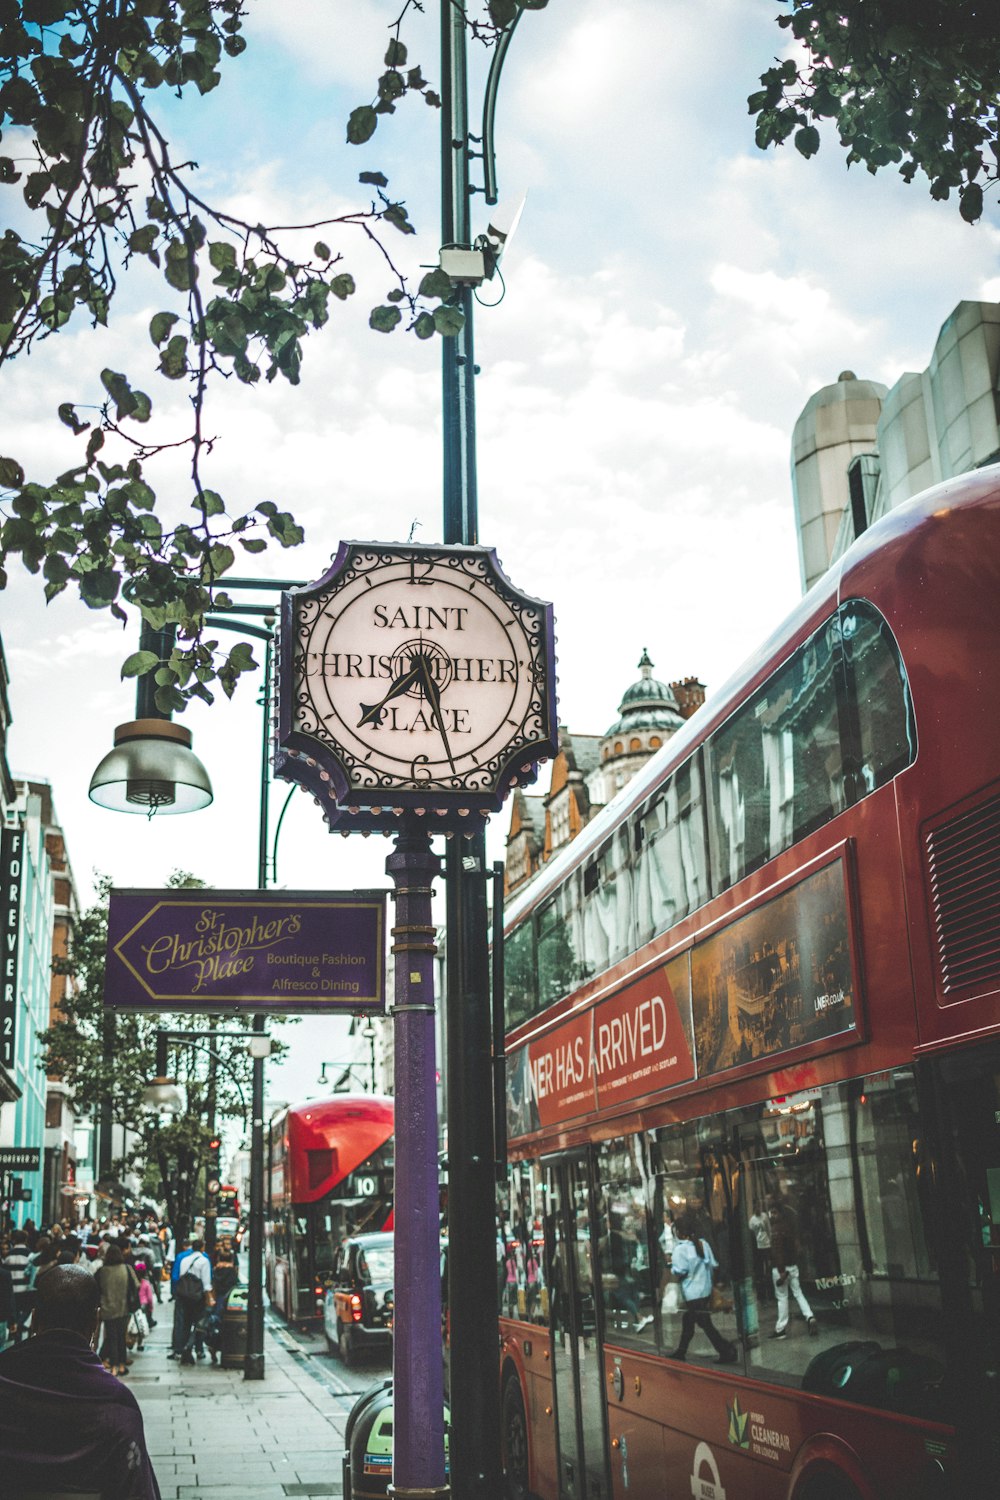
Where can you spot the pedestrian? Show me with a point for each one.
(192, 1289)
(146, 1300)
(44, 1262)
(785, 1266)
(16, 1261)
(693, 1264)
(66, 1424)
(760, 1228)
(7, 1310)
(115, 1280)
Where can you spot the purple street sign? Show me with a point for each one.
(246, 950)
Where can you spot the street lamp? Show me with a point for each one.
(152, 781)
(345, 1070)
(152, 768)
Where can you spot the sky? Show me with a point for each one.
(672, 298)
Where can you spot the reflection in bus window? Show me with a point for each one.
(671, 876)
(777, 765)
(694, 1172)
(557, 964)
(884, 724)
(852, 1305)
(609, 912)
(519, 980)
(629, 1280)
(520, 1245)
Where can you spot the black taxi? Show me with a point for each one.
(358, 1304)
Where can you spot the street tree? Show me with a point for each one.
(106, 1057)
(910, 84)
(95, 190)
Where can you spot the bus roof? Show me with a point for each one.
(328, 1138)
(883, 545)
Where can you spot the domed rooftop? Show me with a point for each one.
(648, 704)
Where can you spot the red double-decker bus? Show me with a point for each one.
(754, 1009)
(330, 1174)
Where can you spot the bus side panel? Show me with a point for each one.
(532, 1358)
(756, 1441)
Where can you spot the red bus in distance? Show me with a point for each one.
(753, 1017)
(330, 1165)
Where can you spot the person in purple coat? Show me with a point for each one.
(65, 1423)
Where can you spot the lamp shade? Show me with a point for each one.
(161, 1096)
(152, 769)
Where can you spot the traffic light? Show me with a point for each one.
(214, 1165)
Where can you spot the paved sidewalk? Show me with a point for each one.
(214, 1436)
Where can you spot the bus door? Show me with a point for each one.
(576, 1354)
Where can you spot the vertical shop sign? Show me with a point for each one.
(11, 865)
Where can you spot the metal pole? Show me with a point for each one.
(461, 520)
(474, 1387)
(211, 1199)
(418, 1468)
(253, 1360)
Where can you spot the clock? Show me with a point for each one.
(413, 679)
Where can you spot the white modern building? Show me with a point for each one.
(859, 450)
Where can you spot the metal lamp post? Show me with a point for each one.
(153, 770)
(475, 1367)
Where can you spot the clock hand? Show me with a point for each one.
(433, 697)
(371, 713)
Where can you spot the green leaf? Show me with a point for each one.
(67, 414)
(221, 254)
(374, 179)
(169, 700)
(502, 12)
(221, 559)
(142, 240)
(396, 215)
(143, 407)
(253, 544)
(448, 320)
(970, 202)
(424, 326)
(395, 56)
(361, 125)
(179, 271)
(395, 295)
(11, 473)
(160, 326)
(241, 657)
(213, 504)
(139, 663)
(384, 319)
(342, 286)
(321, 250)
(173, 360)
(807, 141)
(436, 283)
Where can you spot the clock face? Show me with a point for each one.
(419, 669)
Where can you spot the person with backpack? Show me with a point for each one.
(191, 1285)
(693, 1264)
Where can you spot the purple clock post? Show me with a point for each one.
(416, 688)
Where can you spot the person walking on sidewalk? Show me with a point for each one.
(192, 1291)
(65, 1423)
(785, 1266)
(16, 1261)
(693, 1264)
(119, 1291)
